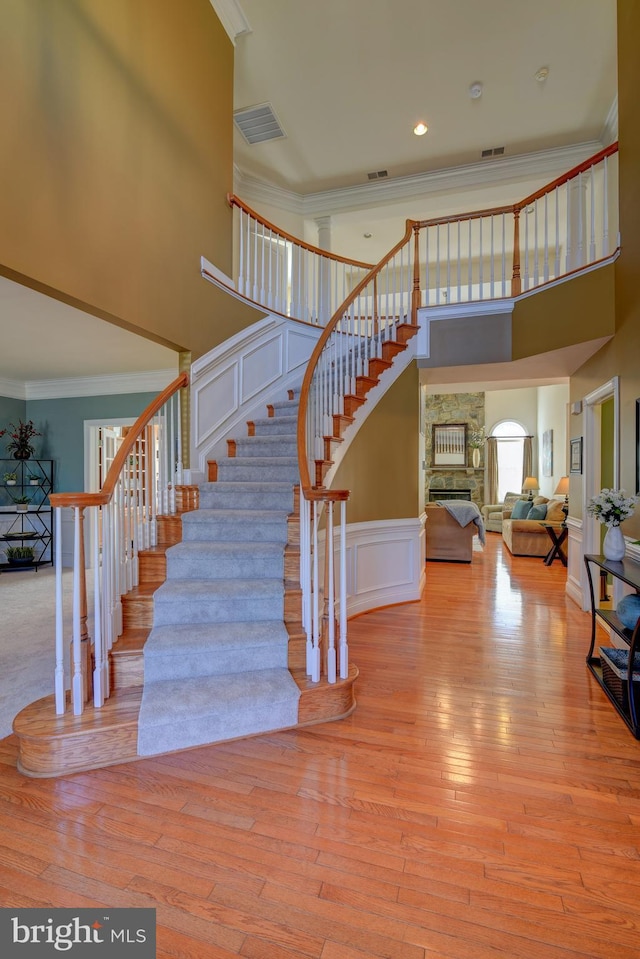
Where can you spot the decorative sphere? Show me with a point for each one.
(628, 610)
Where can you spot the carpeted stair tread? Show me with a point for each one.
(275, 425)
(259, 468)
(216, 601)
(285, 445)
(235, 525)
(206, 560)
(178, 714)
(213, 649)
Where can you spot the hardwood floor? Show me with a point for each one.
(482, 802)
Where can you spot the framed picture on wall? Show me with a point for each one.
(449, 444)
(575, 458)
(547, 453)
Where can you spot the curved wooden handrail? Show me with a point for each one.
(233, 200)
(521, 204)
(306, 487)
(104, 495)
(570, 174)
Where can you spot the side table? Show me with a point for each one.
(557, 533)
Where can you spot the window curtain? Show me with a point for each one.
(492, 470)
(527, 458)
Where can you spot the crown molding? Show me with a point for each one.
(110, 384)
(544, 163)
(232, 17)
(13, 389)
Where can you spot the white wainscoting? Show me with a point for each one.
(385, 563)
(234, 382)
(576, 588)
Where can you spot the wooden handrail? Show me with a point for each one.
(570, 174)
(233, 200)
(104, 495)
(305, 480)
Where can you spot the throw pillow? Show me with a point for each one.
(554, 511)
(521, 509)
(510, 499)
(538, 512)
(538, 500)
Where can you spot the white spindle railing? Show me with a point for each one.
(139, 487)
(287, 275)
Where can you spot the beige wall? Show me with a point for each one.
(621, 357)
(117, 158)
(382, 466)
(579, 310)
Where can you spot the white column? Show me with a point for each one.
(324, 274)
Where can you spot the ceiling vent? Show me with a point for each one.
(495, 152)
(258, 124)
(379, 175)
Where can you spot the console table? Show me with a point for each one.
(627, 704)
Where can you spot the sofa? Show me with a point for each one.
(492, 512)
(524, 536)
(446, 539)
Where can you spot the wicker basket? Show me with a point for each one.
(614, 674)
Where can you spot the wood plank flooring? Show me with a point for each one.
(482, 802)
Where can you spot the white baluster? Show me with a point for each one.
(592, 199)
(100, 679)
(315, 664)
(77, 686)
(546, 238)
(344, 648)
(59, 684)
(330, 598)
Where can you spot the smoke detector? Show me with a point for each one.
(541, 74)
(475, 90)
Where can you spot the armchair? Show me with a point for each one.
(492, 512)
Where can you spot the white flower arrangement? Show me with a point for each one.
(612, 506)
(477, 438)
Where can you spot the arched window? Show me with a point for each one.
(510, 448)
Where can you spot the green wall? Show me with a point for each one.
(61, 422)
(11, 410)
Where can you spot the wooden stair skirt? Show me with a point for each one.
(51, 745)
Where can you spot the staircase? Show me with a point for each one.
(212, 646)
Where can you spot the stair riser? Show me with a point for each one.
(219, 663)
(224, 566)
(137, 613)
(169, 530)
(220, 531)
(216, 612)
(244, 472)
(228, 497)
(263, 446)
(152, 568)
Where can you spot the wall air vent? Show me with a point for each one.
(494, 152)
(258, 124)
(379, 175)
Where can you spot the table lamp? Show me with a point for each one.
(529, 485)
(562, 489)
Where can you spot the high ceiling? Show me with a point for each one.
(349, 80)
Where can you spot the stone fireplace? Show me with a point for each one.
(453, 482)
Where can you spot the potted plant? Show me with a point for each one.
(34, 480)
(10, 479)
(20, 555)
(611, 507)
(22, 503)
(21, 436)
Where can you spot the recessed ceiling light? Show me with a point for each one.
(542, 74)
(420, 129)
